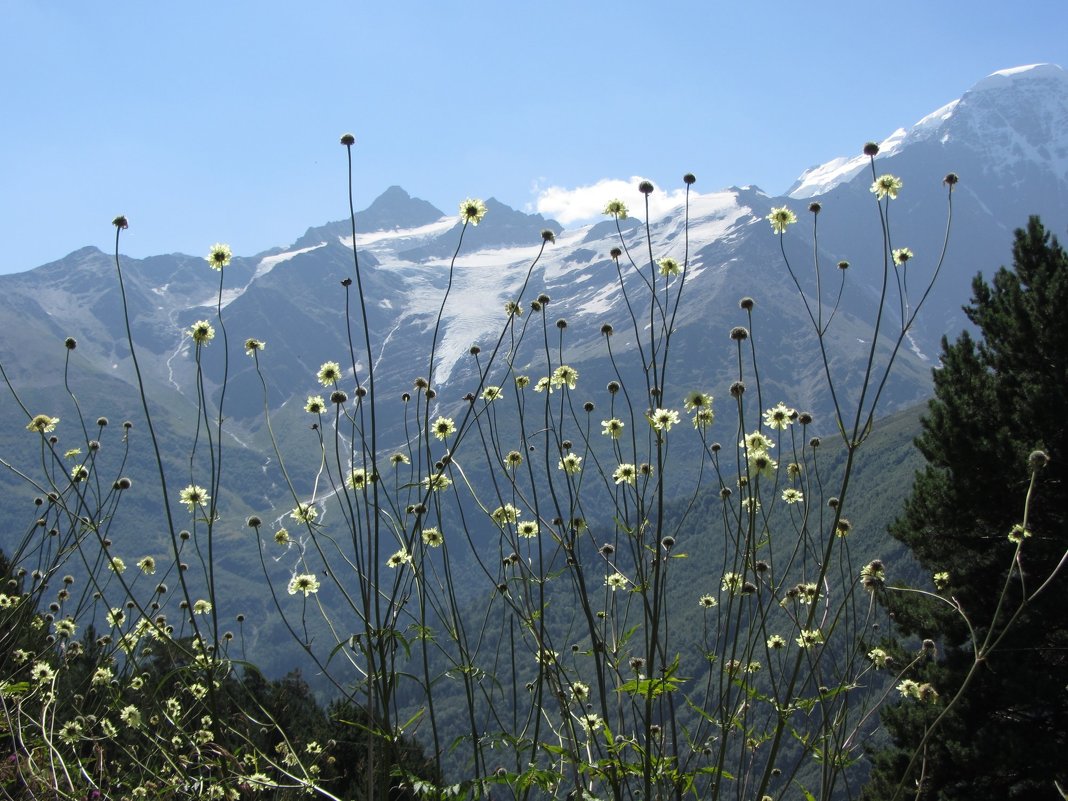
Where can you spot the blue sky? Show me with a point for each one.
(219, 121)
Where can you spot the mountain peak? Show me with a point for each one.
(1018, 106)
(1030, 72)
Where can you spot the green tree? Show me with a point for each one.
(996, 401)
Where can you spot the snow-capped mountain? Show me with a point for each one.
(1007, 139)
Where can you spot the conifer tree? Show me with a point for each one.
(998, 400)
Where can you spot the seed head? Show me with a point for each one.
(739, 333)
(871, 148)
(747, 303)
(689, 179)
(951, 179)
(615, 253)
(815, 207)
(1037, 460)
(737, 389)
(348, 140)
(646, 187)
(121, 222)
(547, 235)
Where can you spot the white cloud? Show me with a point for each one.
(586, 203)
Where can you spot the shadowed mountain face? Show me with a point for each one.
(1007, 138)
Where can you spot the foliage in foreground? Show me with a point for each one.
(572, 681)
(992, 539)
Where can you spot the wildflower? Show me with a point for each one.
(173, 707)
(546, 657)
(873, 575)
(136, 683)
(490, 394)
(1018, 534)
(472, 211)
(436, 482)
(543, 384)
(357, 479)
(909, 689)
(253, 345)
(70, 732)
(116, 617)
(886, 186)
(703, 418)
(20, 656)
(79, 473)
(147, 565)
(756, 442)
(131, 716)
(505, 514)
(116, 565)
(668, 267)
(521, 381)
(663, 419)
(219, 256)
(571, 463)
(442, 427)
(329, 373)
(201, 606)
(306, 583)
(612, 428)
(731, 583)
(102, 676)
(527, 529)
(42, 673)
(73, 453)
(198, 691)
(625, 474)
(400, 558)
(194, 496)
(66, 627)
(809, 638)
(616, 208)
(707, 601)
(941, 579)
(590, 722)
(776, 641)
(43, 424)
(843, 527)
(761, 463)
(281, 537)
(901, 255)
(398, 459)
(781, 217)
(697, 400)
(879, 658)
(432, 537)
(315, 404)
(779, 417)
(304, 513)
(616, 581)
(564, 374)
(202, 332)
(792, 496)
(580, 691)
(513, 459)
(513, 309)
